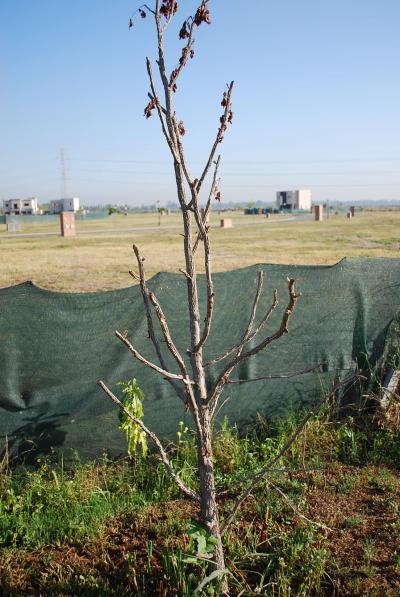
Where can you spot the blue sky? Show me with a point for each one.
(316, 102)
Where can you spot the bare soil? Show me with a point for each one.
(363, 543)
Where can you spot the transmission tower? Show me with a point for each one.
(63, 174)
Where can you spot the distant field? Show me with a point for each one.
(100, 256)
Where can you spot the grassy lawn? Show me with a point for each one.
(99, 257)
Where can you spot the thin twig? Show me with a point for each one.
(167, 335)
(181, 363)
(218, 138)
(209, 282)
(256, 479)
(166, 374)
(165, 83)
(295, 510)
(161, 111)
(278, 376)
(208, 204)
(150, 327)
(292, 471)
(180, 151)
(184, 272)
(192, 494)
(249, 336)
(241, 356)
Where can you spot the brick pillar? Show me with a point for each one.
(67, 223)
(319, 213)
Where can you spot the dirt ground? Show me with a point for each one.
(360, 505)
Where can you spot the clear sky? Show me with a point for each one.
(316, 103)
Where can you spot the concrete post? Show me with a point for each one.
(319, 213)
(13, 226)
(67, 223)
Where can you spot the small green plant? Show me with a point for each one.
(369, 554)
(200, 546)
(353, 443)
(182, 434)
(382, 481)
(396, 560)
(353, 522)
(132, 401)
(345, 483)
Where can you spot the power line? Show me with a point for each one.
(243, 173)
(308, 161)
(246, 186)
(63, 173)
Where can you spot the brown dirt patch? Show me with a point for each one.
(363, 546)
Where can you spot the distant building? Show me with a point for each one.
(298, 199)
(59, 205)
(21, 207)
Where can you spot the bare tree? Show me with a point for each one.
(189, 382)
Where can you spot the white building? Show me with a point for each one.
(20, 207)
(69, 204)
(298, 199)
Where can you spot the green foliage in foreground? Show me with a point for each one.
(52, 505)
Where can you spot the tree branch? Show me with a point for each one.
(278, 376)
(150, 326)
(148, 8)
(161, 111)
(208, 204)
(250, 335)
(219, 137)
(181, 152)
(166, 374)
(164, 79)
(241, 356)
(255, 480)
(186, 50)
(189, 492)
(167, 334)
(295, 510)
(177, 356)
(210, 285)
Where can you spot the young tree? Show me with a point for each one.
(190, 381)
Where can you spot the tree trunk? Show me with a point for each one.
(208, 503)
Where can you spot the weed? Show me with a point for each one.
(353, 522)
(345, 483)
(382, 481)
(352, 443)
(369, 554)
(396, 561)
(49, 505)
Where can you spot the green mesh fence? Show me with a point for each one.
(55, 346)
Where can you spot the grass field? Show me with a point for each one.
(99, 257)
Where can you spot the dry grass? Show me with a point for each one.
(100, 256)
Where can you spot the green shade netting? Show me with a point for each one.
(54, 347)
